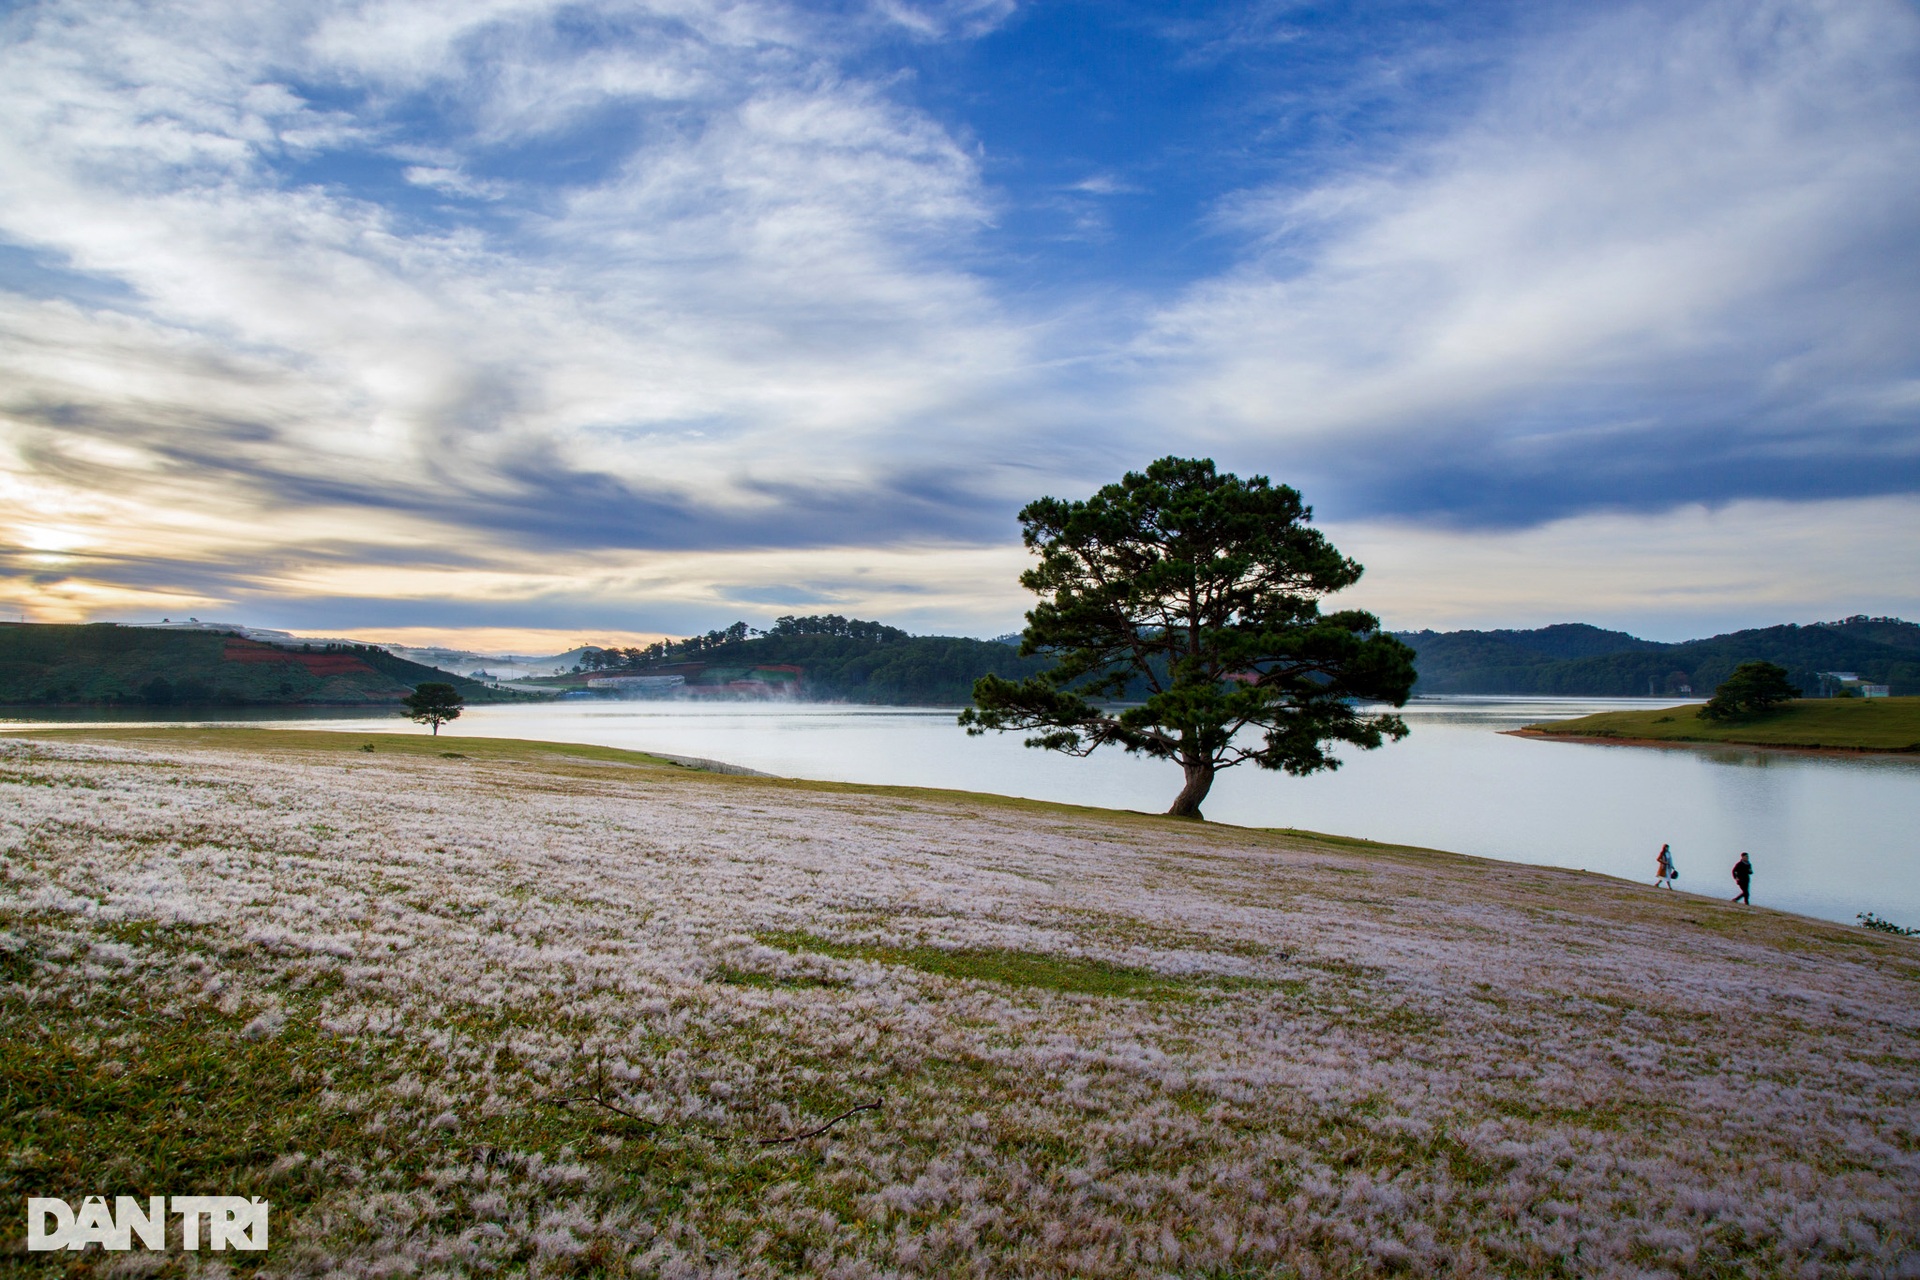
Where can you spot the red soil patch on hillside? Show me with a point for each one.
(320, 664)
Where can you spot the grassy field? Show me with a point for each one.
(1853, 724)
(473, 1007)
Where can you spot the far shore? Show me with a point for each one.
(1817, 726)
(1612, 740)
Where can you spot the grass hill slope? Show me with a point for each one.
(106, 665)
(1849, 724)
(1578, 660)
(559, 1015)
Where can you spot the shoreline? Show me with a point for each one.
(1612, 740)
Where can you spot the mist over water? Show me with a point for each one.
(1829, 836)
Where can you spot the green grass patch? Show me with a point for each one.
(1070, 975)
(423, 745)
(1066, 974)
(1852, 724)
(733, 977)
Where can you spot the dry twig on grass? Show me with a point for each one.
(598, 1099)
(811, 1133)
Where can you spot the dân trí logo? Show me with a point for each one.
(232, 1222)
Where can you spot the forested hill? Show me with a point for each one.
(840, 659)
(1578, 660)
(101, 664)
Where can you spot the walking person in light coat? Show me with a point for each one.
(1668, 873)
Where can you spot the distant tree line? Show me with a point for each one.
(832, 624)
(869, 662)
(614, 659)
(694, 648)
(1578, 660)
(844, 658)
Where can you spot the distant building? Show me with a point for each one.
(1838, 684)
(637, 684)
(1876, 691)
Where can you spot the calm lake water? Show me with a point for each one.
(1828, 836)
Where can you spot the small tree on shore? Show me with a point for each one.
(1202, 591)
(1753, 689)
(433, 703)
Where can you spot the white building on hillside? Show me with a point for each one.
(636, 684)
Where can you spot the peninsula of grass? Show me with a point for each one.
(473, 1007)
(1831, 724)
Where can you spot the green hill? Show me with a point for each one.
(837, 659)
(850, 660)
(101, 664)
(1582, 661)
(1507, 661)
(1854, 724)
(936, 670)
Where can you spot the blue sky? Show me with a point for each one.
(503, 317)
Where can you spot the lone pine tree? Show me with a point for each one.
(433, 703)
(1196, 593)
(1753, 689)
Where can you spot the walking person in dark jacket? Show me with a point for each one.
(1743, 876)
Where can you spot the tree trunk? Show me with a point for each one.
(1199, 782)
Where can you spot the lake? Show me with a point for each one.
(1828, 835)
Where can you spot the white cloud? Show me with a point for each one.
(1105, 184)
(937, 19)
(757, 283)
(452, 181)
(1681, 223)
(309, 388)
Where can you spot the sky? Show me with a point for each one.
(515, 323)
